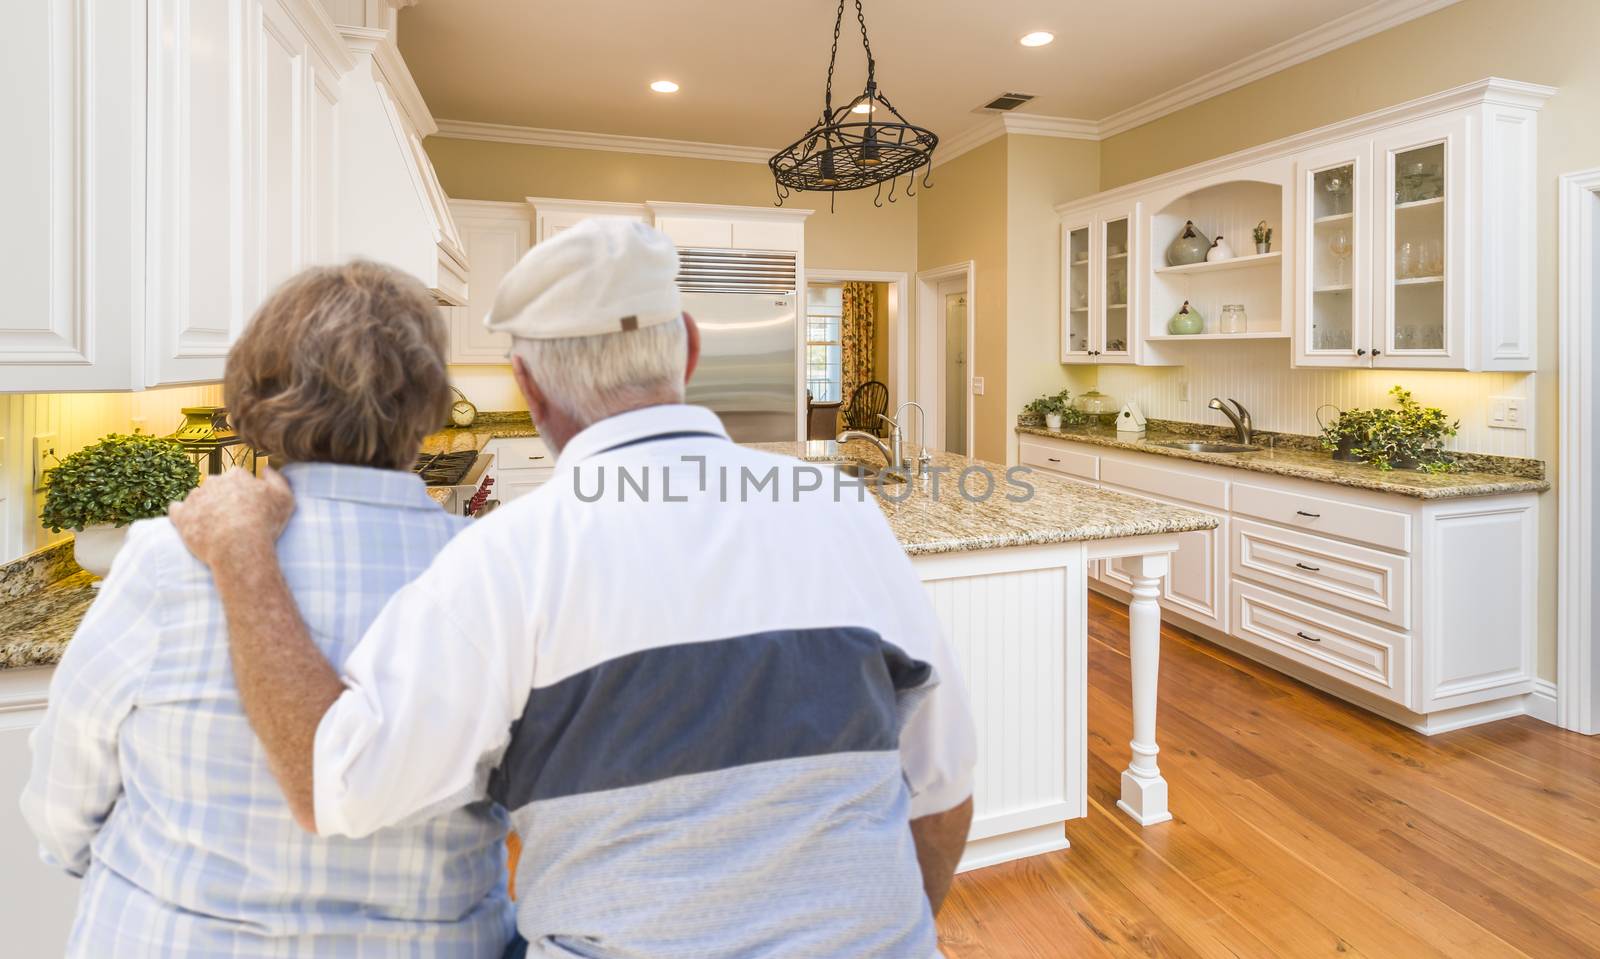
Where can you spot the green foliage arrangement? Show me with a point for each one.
(1057, 403)
(1411, 436)
(117, 480)
(1262, 232)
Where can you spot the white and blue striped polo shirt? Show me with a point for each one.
(711, 696)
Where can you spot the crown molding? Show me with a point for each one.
(609, 142)
(1068, 128)
(990, 128)
(380, 46)
(1356, 25)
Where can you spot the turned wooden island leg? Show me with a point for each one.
(1144, 792)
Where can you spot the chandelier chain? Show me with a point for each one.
(833, 55)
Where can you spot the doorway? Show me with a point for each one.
(891, 348)
(953, 364)
(946, 355)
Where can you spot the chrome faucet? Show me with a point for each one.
(1240, 420)
(894, 458)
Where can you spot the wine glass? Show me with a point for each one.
(1339, 246)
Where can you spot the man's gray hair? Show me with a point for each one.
(594, 377)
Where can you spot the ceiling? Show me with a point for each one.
(752, 71)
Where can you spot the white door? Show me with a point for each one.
(954, 375)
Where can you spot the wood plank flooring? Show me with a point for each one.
(1304, 827)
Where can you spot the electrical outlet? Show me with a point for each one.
(977, 386)
(1508, 413)
(1183, 392)
(44, 458)
(137, 423)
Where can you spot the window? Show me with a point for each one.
(824, 307)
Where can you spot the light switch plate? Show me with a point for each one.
(977, 386)
(1183, 392)
(1509, 412)
(44, 458)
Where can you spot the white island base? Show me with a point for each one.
(1018, 619)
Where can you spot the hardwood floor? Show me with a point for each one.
(1304, 827)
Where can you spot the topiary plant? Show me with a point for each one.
(116, 481)
(1057, 403)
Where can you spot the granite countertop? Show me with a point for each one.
(43, 597)
(1293, 455)
(1059, 511)
(487, 427)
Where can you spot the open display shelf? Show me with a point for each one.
(1212, 337)
(1222, 266)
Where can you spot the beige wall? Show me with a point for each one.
(1543, 41)
(963, 217)
(880, 336)
(1040, 173)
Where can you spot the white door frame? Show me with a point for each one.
(899, 327)
(1577, 646)
(930, 334)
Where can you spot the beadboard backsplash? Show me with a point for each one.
(1257, 374)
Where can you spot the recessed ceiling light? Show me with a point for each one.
(1038, 38)
(664, 86)
(865, 106)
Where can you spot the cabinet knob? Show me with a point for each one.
(1362, 351)
(1308, 638)
(1375, 352)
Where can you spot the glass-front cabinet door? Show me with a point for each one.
(1075, 275)
(1333, 309)
(1117, 290)
(1418, 303)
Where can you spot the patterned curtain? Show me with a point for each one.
(855, 337)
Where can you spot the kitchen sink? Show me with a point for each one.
(865, 473)
(1209, 447)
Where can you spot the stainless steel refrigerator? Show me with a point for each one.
(747, 307)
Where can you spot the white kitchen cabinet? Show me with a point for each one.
(495, 236)
(37, 902)
(1101, 263)
(551, 216)
(1382, 599)
(184, 155)
(1333, 261)
(522, 464)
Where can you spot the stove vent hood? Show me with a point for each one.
(391, 207)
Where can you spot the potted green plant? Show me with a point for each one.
(99, 490)
(1263, 235)
(1411, 436)
(1056, 409)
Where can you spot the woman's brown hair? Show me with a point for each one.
(342, 364)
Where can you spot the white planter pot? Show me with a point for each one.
(1052, 420)
(96, 546)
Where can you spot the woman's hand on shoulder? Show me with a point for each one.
(234, 518)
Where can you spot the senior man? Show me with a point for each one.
(722, 714)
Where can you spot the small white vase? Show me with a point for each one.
(1220, 250)
(94, 547)
(1052, 420)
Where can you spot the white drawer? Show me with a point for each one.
(522, 452)
(1366, 524)
(1171, 483)
(1048, 456)
(1346, 576)
(1339, 646)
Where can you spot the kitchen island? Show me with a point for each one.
(1009, 579)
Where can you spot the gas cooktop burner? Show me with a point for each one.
(444, 469)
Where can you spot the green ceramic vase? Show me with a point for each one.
(1187, 321)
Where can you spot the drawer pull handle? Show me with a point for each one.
(1301, 512)
(1309, 569)
(536, 457)
(1308, 638)
(1053, 459)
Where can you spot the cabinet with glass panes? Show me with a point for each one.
(1100, 266)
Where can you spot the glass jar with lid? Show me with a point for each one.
(1096, 404)
(1233, 319)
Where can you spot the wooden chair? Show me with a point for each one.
(869, 400)
(822, 419)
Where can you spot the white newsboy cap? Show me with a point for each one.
(605, 275)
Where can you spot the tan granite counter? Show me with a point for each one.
(43, 597)
(487, 427)
(1483, 475)
(1057, 511)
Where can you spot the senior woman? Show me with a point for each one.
(147, 780)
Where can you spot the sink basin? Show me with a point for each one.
(867, 474)
(1209, 447)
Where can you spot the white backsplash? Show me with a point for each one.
(1257, 374)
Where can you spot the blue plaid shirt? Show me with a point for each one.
(148, 782)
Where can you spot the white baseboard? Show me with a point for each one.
(1541, 704)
